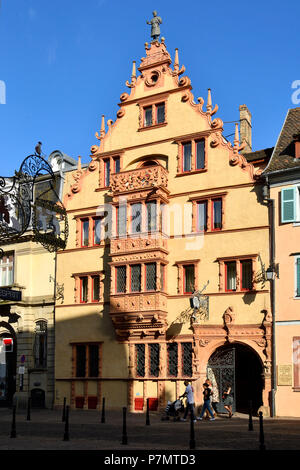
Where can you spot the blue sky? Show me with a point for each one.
(64, 63)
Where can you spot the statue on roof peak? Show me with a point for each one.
(155, 29)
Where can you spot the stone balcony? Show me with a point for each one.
(137, 315)
(144, 178)
(143, 243)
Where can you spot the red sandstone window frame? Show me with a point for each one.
(83, 221)
(145, 277)
(181, 281)
(116, 279)
(152, 102)
(97, 219)
(130, 278)
(87, 365)
(194, 169)
(84, 278)
(210, 211)
(238, 260)
(94, 276)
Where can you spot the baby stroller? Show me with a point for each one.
(173, 409)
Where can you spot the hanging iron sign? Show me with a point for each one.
(29, 200)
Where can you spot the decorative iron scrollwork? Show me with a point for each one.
(21, 210)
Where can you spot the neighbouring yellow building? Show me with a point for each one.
(166, 211)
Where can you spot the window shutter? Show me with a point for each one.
(298, 277)
(288, 204)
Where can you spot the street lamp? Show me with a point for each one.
(272, 272)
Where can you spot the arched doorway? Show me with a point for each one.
(238, 366)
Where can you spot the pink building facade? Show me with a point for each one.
(283, 181)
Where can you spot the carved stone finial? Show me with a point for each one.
(102, 130)
(79, 163)
(176, 61)
(209, 109)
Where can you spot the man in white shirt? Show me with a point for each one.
(190, 402)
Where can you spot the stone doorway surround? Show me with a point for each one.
(208, 338)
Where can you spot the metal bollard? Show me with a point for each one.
(250, 423)
(147, 414)
(261, 433)
(13, 432)
(103, 411)
(64, 410)
(124, 436)
(66, 433)
(192, 434)
(28, 409)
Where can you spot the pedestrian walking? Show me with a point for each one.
(206, 403)
(190, 402)
(228, 400)
(215, 398)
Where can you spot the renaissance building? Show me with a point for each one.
(163, 272)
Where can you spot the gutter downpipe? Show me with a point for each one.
(271, 205)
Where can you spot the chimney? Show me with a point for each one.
(245, 128)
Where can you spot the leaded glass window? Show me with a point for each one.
(140, 360)
(121, 219)
(106, 172)
(172, 351)
(135, 278)
(154, 350)
(121, 278)
(151, 276)
(187, 368)
(151, 216)
(40, 344)
(136, 218)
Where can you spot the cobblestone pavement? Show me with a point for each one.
(45, 431)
